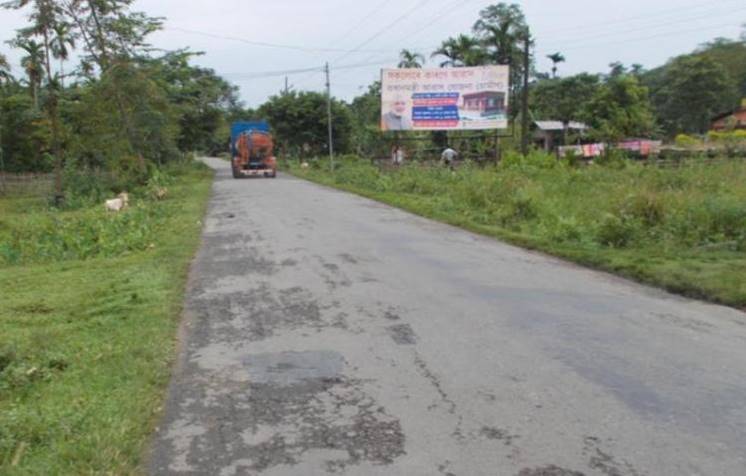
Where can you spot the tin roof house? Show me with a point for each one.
(735, 119)
(550, 134)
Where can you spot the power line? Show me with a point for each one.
(265, 44)
(661, 35)
(352, 30)
(367, 17)
(375, 35)
(647, 16)
(289, 72)
(448, 8)
(643, 28)
(384, 29)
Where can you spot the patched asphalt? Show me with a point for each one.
(325, 334)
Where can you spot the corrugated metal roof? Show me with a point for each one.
(558, 126)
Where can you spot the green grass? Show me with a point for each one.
(88, 321)
(682, 229)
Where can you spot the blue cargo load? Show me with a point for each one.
(238, 128)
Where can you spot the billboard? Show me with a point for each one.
(440, 99)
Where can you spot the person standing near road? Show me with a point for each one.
(448, 157)
(397, 155)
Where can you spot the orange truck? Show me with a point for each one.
(252, 150)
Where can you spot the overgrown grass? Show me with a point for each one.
(88, 316)
(683, 229)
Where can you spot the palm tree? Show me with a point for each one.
(33, 64)
(62, 41)
(555, 58)
(502, 28)
(410, 59)
(5, 76)
(464, 50)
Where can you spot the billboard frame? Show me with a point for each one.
(472, 134)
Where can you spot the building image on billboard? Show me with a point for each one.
(486, 103)
(444, 99)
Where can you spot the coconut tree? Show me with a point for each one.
(410, 59)
(502, 28)
(63, 40)
(5, 76)
(464, 50)
(555, 58)
(33, 64)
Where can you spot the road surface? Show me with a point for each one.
(329, 334)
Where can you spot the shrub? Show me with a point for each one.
(535, 159)
(616, 231)
(683, 140)
(645, 207)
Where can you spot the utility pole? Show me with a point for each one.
(524, 105)
(287, 89)
(329, 115)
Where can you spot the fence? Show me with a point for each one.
(26, 184)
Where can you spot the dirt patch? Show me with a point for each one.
(348, 258)
(402, 334)
(549, 471)
(604, 462)
(391, 316)
(500, 434)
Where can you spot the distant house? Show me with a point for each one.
(730, 120)
(550, 134)
(487, 103)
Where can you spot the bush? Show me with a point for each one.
(683, 140)
(648, 208)
(617, 232)
(86, 233)
(535, 159)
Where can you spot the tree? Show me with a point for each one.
(503, 31)
(62, 42)
(502, 28)
(5, 76)
(464, 50)
(564, 99)
(45, 17)
(555, 58)
(32, 64)
(729, 54)
(696, 88)
(113, 37)
(200, 98)
(299, 122)
(617, 69)
(620, 108)
(410, 59)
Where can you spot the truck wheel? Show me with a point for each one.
(236, 173)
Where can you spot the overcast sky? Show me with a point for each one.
(590, 33)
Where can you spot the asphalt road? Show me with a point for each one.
(328, 334)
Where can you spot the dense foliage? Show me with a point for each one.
(119, 108)
(123, 108)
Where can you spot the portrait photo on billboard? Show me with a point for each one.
(396, 113)
(471, 98)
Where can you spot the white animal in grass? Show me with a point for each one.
(118, 204)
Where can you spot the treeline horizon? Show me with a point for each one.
(126, 107)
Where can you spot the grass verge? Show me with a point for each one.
(88, 317)
(682, 229)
